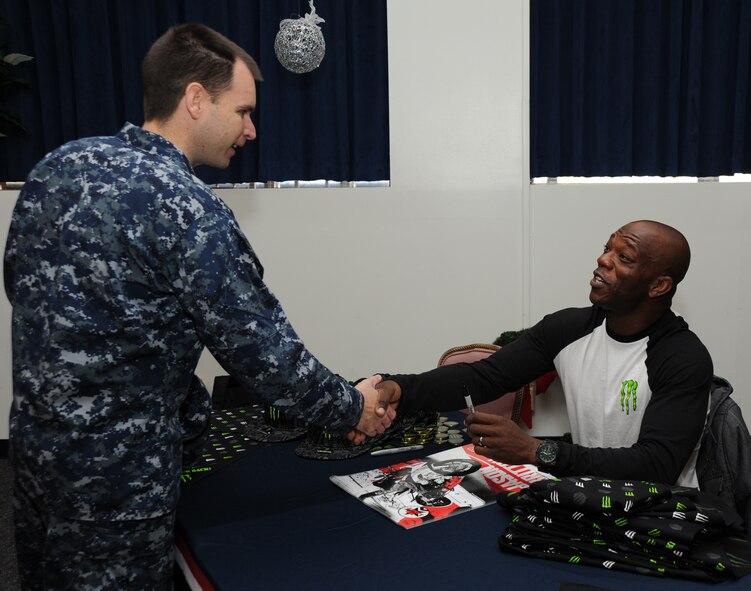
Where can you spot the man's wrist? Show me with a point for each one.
(546, 454)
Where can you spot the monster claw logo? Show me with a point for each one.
(628, 395)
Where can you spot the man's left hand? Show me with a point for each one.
(501, 439)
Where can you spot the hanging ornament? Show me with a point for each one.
(299, 44)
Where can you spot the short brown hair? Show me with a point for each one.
(186, 53)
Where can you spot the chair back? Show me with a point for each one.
(509, 405)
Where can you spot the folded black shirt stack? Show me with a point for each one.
(628, 525)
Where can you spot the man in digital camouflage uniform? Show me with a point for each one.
(121, 266)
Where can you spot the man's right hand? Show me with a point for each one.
(381, 402)
(389, 393)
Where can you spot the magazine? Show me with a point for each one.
(415, 492)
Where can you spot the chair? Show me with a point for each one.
(509, 405)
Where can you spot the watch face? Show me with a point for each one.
(547, 453)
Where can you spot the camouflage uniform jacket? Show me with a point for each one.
(121, 266)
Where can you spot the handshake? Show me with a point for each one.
(494, 436)
(379, 410)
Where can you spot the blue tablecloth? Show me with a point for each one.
(274, 521)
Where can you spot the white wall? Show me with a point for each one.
(460, 247)
(572, 223)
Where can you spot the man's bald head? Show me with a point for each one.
(666, 247)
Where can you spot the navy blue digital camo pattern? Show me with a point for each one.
(55, 552)
(121, 266)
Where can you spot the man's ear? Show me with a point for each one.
(660, 286)
(195, 98)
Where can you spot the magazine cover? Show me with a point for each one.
(447, 483)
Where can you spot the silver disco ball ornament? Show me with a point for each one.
(299, 44)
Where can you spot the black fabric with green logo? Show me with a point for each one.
(628, 525)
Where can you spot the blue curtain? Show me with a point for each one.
(85, 80)
(640, 87)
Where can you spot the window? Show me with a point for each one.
(331, 123)
(640, 88)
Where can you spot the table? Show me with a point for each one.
(274, 521)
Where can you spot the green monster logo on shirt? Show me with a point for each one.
(628, 395)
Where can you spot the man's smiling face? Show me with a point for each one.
(625, 270)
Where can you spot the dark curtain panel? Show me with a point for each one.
(640, 87)
(85, 80)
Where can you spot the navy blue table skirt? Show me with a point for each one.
(274, 521)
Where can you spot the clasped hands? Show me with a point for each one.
(379, 410)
